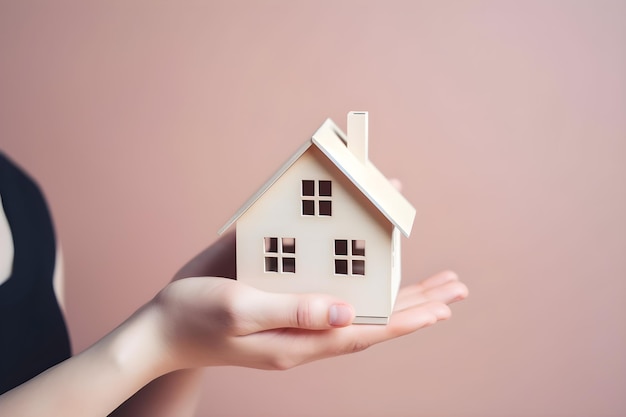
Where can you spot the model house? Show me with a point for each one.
(327, 221)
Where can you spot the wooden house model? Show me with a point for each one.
(327, 221)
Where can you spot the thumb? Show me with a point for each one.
(303, 311)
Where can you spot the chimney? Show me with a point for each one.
(357, 134)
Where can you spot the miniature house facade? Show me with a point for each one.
(327, 222)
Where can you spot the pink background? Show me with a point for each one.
(149, 123)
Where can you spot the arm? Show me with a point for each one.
(95, 381)
(177, 393)
(207, 321)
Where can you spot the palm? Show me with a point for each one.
(418, 306)
(226, 322)
(230, 323)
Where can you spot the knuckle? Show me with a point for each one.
(353, 346)
(359, 346)
(303, 315)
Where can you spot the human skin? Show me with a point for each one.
(204, 318)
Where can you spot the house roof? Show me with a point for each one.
(365, 176)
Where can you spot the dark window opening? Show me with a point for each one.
(289, 245)
(308, 187)
(341, 266)
(271, 244)
(358, 247)
(358, 267)
(308, 207)
(326, 208)
(289, 265)
(341, 247)
(271, 264)
(325, 188)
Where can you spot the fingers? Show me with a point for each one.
(439, 278)
(306, 346)
(401, 323)
(416, 317)
(259, 311)
(291, 317)
(443, 287)
(408, 321)
(264, 311)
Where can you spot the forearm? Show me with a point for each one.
(174, 394)
(97, 380)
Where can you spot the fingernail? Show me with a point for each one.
(340, 315)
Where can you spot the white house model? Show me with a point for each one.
(327, 221)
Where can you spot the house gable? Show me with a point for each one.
(280, 209)
(331, 141)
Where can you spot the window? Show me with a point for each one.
(280, 254)
(317, 198)
(349, 257)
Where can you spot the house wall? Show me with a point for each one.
(396, 263)
(278, 214)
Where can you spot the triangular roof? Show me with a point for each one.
(366, 177)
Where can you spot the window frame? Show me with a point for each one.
(279, 255)
(352, 254)
(316, 198)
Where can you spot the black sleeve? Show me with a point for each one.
(33, 335)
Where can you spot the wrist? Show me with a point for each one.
(115, 367)
(138, 349)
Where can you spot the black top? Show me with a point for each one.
(33, 336)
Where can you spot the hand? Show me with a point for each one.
(196, 322)
(206, 321)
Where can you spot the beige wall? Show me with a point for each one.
(149, 123)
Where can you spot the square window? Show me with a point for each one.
(271, 244)
(341, 247)
(289, 264)
(326, 189)
(289, 245)
(271, 264)
(358, 267)
(308, 207)
(308, 187)
(341, 266)
(326, 208)
(358, 247)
